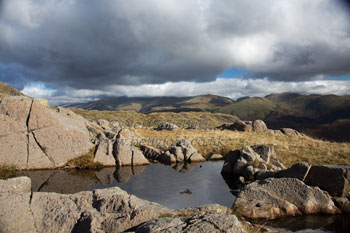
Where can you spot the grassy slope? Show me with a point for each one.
(289, 149)
(250, 109)
(153, 119)
(6, 90)
(159, 104)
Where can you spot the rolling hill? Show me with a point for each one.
(205, 103)
(321, 116)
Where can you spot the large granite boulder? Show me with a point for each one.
(104, 153)
(248, 161)
(125, 153)
(272, 198)
(259, 126)
(34, 136)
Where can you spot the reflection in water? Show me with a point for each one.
(191, 185)
(158, 183)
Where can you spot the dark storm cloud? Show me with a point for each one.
(94, 44)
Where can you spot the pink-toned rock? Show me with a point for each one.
(104, 153)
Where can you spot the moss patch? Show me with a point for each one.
(7, 172)
(85, 162)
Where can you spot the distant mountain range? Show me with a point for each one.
(322, 116)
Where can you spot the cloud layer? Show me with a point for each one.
(94, 44)
(233, 88)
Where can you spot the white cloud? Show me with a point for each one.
(94, 44)
(232, 88)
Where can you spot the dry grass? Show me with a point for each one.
(289, 149)
(7, 172)
(182, 119)
(85, 162)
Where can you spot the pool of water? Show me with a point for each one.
(178, 186)
(181, 186)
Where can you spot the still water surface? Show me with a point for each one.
(181, 186)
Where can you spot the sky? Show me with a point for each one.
(82, 50)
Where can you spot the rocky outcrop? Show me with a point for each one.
(249, 161)
(335, 179)
(103, 210)
(182, 152)
(33, 136)
(343, 204)
(212, 222)
(151, 153)
(125, 153)
(216, 157)
(332, 178)
(272, 198)
(243, 126)
(166, 126)
(258, 126)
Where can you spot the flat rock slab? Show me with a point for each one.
(213, 222)
(105, 210)
(272, 198)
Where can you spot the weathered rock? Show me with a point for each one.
(249, 173)
(105, 210)
(276, 132)
(249, 154)
(187, 148)
(125, 153)
(196, 157)
(103, 123)
(167, 158)
(237, 126)
(167, 126)
(203, 221)
(14, 204)
(104, 153)
(151, 153)
(277, 164)
(335, 179)
(290, 132)
(262, 175)
(182, 152)
(230, 160)
(298, 170)
(35, 136)
(265, 152)
(343, 204)
(259, 126)
(216, 157)
(274, 198)
(178, 153)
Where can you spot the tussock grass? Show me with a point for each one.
(85, 162)
(289, 149)
(7, 172)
